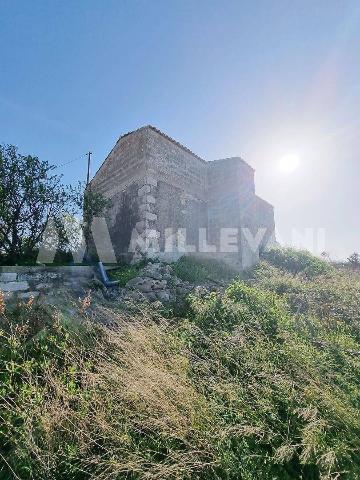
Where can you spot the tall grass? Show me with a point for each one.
(260, 382)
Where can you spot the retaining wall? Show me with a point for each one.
(25, 282)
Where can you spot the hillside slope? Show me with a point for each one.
(260, 381)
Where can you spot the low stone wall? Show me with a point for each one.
(25, 282)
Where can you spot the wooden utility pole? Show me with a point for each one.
(88, 169)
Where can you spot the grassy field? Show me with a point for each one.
(260, 382)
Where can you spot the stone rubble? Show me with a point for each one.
(157, 282)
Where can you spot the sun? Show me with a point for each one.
(289, 163)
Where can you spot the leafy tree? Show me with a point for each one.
(354, 260)
(29, 195)
(90, 204)
(69, 237)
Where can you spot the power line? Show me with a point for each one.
(71, 161)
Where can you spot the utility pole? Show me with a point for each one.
(88, 169)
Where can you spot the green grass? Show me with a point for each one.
(124, 273)
(198, 270)
(297, 261)
(259, 382)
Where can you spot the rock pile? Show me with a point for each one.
(156, 281)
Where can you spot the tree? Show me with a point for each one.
(91, 204)
(29, 195)
(354, 260)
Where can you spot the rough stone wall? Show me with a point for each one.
(23, 283)
(159, 188)
(180, 195)
(232, 203)
(123, 179)
(125, 164)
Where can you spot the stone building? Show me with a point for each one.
(167, 201)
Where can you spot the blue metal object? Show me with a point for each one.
(104, 277)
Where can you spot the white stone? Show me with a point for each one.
(144, 190)
(43, 286)
(141, 226)
(8, 277)
(150, 233)
(150, 216)
(14, 286)
(150, 181)
(150, 199)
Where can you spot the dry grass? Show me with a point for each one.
(258, 382)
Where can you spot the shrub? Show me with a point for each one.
(297, 261)
(198, 270)
(124, 273)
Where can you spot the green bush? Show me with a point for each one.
(124, 273)
(297, 261)
(198, 270)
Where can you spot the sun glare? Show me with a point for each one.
(289, 163)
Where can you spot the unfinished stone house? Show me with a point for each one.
(166, 202)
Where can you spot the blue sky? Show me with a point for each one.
(260, 79)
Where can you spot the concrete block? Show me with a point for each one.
(8, 277)
(14, 286)
(144, 190)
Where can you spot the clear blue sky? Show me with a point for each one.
(261, 79)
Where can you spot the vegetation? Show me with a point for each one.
(258, 382)
(354, 260)
(124, 273)
(33, 199)
(30, 194)
(297, 261)
(198, 270)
